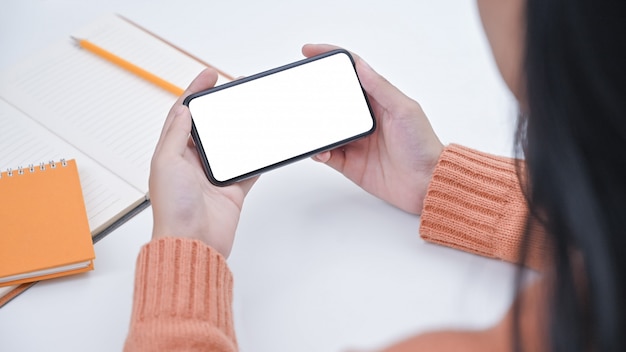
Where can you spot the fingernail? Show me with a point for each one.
(322, 157)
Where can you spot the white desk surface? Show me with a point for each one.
(319, 264)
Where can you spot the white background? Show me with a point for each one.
(319, 264)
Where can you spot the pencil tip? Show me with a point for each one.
(76, 41)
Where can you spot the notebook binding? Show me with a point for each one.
(31, 167)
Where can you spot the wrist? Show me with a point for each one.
(426, 176)
(221, 243)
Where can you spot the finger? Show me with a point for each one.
(335, 158)
(378, 87)
(374, 84)
(322, 157)
(309, 50)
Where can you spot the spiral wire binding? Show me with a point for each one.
(31, 167)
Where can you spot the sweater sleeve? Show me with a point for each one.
(182, 299)
(475, 203)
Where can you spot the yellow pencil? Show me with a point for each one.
(83, 43)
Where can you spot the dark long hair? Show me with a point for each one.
(573, 137)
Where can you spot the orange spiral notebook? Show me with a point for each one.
(44, 230)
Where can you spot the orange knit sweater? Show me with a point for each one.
(183, 288)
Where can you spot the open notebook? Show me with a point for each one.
(65, 102)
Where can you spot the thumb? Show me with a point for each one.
(378, 87)
(176, 137)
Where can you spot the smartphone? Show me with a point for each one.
(258, 123)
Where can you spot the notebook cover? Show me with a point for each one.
(44, 221)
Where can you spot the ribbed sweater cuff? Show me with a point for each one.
(474, 203)
(183, 290)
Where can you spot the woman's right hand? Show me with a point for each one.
(184, 202)
(397, 161)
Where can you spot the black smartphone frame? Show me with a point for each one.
(199, 146)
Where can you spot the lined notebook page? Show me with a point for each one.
(24, 142)
(125, 40)
(104, 111)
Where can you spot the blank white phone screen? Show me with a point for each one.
(248, 127)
